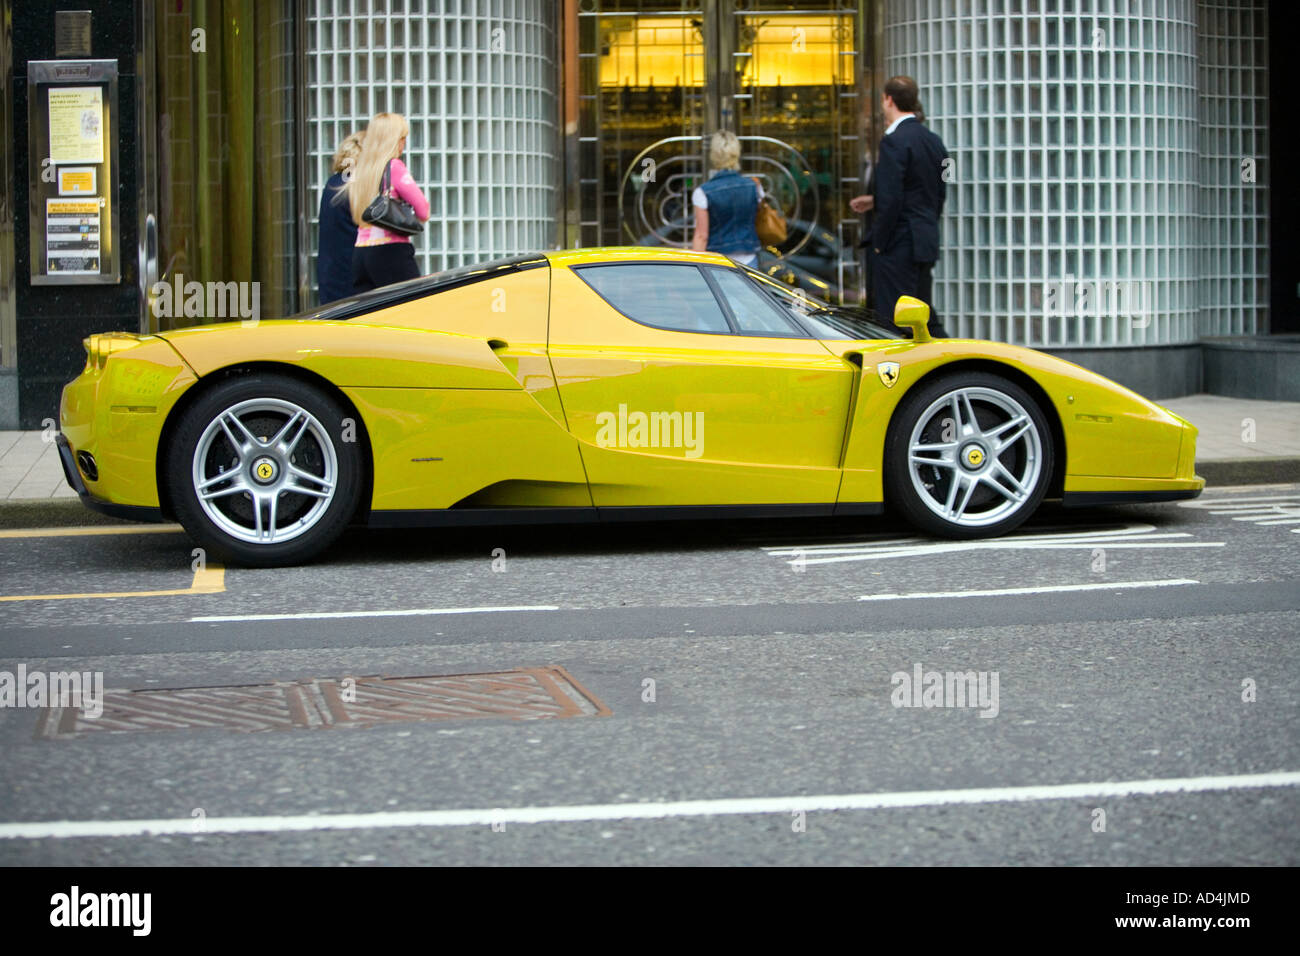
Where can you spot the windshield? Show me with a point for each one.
(821, 320)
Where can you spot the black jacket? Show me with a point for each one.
(338, 235)
(909, 191)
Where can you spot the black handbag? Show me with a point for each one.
(395, 215)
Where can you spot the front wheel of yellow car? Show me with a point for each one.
(968, 455)
(259, 472)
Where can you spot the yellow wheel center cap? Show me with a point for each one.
(264, 469)
(974, 457)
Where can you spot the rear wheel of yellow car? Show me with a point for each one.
(259, 472)
(968, 455)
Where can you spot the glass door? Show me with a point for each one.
(657, 79)
(794, 102)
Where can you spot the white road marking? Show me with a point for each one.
(63, 829)
(1134, 535)
(1221, 502)
(329, 615)
(1045, 589)
(1260, 509)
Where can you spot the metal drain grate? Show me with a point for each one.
(527, 693)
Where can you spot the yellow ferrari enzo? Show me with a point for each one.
(594, 385)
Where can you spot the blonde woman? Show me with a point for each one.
(338, 233)
(382, 257)
(725, 205)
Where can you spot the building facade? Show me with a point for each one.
(1108, 194)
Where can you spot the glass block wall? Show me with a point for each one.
(1072, 217)
(477, 81)
(1233, 167)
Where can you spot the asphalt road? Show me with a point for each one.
(720, 663)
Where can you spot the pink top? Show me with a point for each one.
(403, 187)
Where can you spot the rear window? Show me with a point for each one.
(399, 292)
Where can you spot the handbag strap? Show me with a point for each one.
(385, 182)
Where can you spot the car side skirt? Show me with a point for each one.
(1087, 499)
(480, 517)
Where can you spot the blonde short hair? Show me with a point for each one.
(346, 155)
(724, 150)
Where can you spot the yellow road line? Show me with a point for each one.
(209, 580)
(91, 529)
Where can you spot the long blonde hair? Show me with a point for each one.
(383, 142)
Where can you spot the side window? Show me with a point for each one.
(665, 296)
(754, 313)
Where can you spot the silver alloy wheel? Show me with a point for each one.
(978, 472)
(265, 471)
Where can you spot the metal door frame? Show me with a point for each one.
(146, 158)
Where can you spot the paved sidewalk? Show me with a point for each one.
(29, 468)
(1240, 427)
(1241, 440)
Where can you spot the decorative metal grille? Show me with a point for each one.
(658, 77)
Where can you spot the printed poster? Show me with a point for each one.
(72, 237)
(76, 124)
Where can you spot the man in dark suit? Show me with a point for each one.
(908, 201)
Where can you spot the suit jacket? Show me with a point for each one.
(910, 191)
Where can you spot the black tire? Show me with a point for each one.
(995, 504)
(307, 494)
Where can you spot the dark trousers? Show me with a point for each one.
(375, 266)
(895, 274)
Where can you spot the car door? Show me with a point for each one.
(685, 385)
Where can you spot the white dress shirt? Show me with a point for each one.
(894, 125)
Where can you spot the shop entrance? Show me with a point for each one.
(656, 79)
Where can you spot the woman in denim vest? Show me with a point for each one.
(726, 205)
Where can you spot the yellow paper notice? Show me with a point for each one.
(76, 124)
(77, 181)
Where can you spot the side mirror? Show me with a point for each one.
(912, 313)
